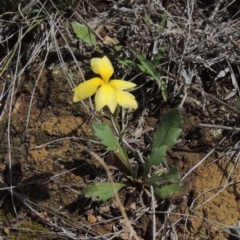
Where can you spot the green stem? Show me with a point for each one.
(115, 120)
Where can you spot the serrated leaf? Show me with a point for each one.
(166, 136)
(108, 139)
(84, 33)
(170, 176)
(102, 191)
(169, 129)
(156, 157)
(176, 189)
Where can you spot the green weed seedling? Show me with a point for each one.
(84, 33)
(146, 66)
(165, 184)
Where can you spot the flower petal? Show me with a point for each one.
(86, 89)
(102, 66)
(126, 100)
(106, 96)
(121, 84)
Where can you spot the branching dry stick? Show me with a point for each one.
(204, 93)
(115, 193)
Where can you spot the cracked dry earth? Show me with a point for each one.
(50, 169)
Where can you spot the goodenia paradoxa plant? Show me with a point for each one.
(166, 184)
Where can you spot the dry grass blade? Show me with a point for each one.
(121, 207)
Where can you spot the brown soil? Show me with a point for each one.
(50, 175)
(44, 135)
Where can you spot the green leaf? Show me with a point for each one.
(170, 176)
(108, 139)
(166, 136)
(117, 47)
(173, 190)
(102, 191)
(164, 90)
(169, 129)
(83, 33)
(156, 157)
(163, 23)
(129, 63)
(146, 66)
(159, 56)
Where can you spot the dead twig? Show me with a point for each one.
(121, 208)
(219, 127)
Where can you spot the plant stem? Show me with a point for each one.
(115, 120)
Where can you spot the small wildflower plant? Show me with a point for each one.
(110, 94)
(107, 92)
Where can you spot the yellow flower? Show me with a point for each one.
(107, 93)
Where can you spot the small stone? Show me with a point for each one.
(91, 219)
(54, 187)
(6, 231)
